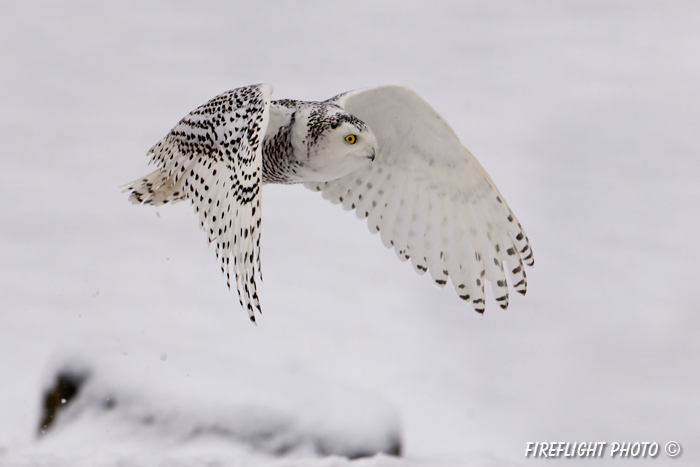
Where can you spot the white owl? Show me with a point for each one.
(382, 151)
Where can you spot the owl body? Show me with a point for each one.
(382, 152)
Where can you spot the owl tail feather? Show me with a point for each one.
(156, 189)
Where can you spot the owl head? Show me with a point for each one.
(329, 143)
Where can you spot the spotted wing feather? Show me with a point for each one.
(430, 199)
(213, 157)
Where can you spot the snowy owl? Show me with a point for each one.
(382, 151)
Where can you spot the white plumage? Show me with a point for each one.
(383, 152)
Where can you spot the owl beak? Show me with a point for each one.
(371, 156)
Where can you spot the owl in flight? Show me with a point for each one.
(382, 151)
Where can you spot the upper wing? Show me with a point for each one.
(213, 157)
(430, 198)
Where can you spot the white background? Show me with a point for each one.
(585, 114)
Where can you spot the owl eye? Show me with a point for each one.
(351, 139)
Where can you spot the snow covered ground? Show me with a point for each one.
(586, 115)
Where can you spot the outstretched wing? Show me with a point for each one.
(213, 157)
(430, 199)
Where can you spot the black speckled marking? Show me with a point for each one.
(324, 117)
(216, 150)
(278, 161)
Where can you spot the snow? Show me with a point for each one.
(271, 409)
(584, 113)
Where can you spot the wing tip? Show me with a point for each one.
(266, 89)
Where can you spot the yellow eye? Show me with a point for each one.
(351, 139)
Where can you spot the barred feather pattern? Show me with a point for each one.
(458, 234)
(213, 157)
